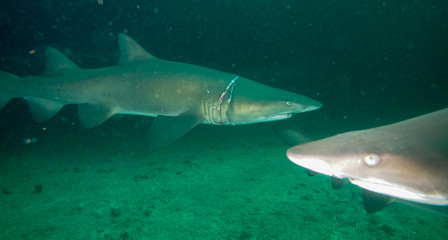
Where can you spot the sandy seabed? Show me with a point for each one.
(213, 183)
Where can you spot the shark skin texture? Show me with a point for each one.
(179, 95)
(405, 162)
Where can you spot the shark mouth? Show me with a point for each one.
(382, 187)
(279, 116)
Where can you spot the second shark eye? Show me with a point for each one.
(288, 103)
(372, 160)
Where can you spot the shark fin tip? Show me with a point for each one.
(43, 109)
(131, 51)
(57, 62)
(374, 202)
(92, 115)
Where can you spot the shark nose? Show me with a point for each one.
(312, 107)
(310, 162)
(315, 105)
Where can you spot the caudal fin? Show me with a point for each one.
(7, 85)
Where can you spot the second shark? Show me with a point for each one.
(405, 161)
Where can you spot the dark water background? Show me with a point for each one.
(368, 62)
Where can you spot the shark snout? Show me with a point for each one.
(289, 113)
(309, 104)
(310, 162)
(300, 107)
(316, 105)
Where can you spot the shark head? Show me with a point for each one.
(405, 161)
(252, 102)
(350, 155)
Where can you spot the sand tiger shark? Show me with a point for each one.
(405, 161)
(179, 95)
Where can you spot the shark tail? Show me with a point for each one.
(7, 81)
(41, 109)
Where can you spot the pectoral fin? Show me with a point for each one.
(374, 202)
(92, 115)
(311, 173)
(338, 183)
(165, 129)
(291, 135)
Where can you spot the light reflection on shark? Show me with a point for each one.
(179, 95)
(405, 161)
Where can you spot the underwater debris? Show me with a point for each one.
(115, 211)
(37, 188)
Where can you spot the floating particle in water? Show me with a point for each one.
(30, 140)
(156, 10)
(100, 2)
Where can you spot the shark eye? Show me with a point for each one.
(288, 103)
(372, 160)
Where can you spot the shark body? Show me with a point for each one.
(179, 95)
(405, 161)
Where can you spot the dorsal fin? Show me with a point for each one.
(57, 63)
(130, 50)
